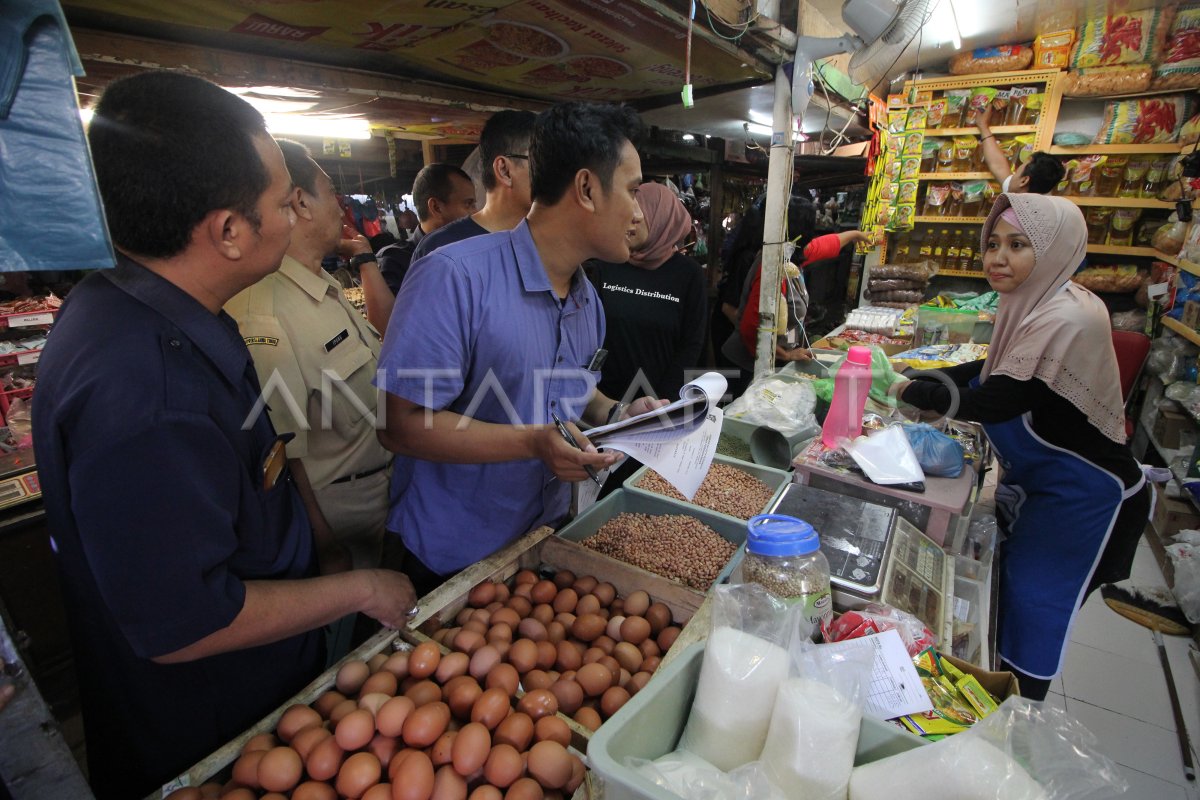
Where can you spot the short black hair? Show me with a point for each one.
(434, 181)
(300, 164)
(170, 148)
(507, 132)
(1044, 172)
(569, 137)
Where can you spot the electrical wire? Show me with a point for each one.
(921, 32)
(743, 26)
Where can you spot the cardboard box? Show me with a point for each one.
(1171, 515)
(1168, 425)
(1000, 684)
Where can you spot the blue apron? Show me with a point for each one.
(1058, 510)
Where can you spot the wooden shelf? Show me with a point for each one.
(1183, 330)
(1116, 149)
(1016, 78)
(959, 273)
(973, 131)
(1130, 95)
(1186, 266)
(1118, 250)
(1119, 202)
(954, 176)
(952, 220)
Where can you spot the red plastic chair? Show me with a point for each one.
(1131, 349)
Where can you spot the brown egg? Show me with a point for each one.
(451, 666)
(594, 679)
(304, 741)
(651, 664)
(588, 718)
(351, 675)
(566, 619)
(186, 793)
(468, 641)
(448, 785)
(543, 613)
(613, 629)
(414, 779)
(462, 698)
(502, 595)
(500, 632)
(659, 617)
(389, 720)
(516, 730)
(481, 594)
(445, 636)
(355, 729)
(503, 766)
(523, 655)
(424, 692)
(612, 700)
(263, 741)
(341, 710)
(556, 632)
(565, 601)
(380, 791)
(382, 682)
(584, 584)
(424, 660)
(635, 630)
(238, 793)
(426, 724)
(649, 648)
(543, 591)
(280, 769)
(636, 603)
(483, 615)
(471, 748)
(628, 656)
(360, 772)
(525, 576)
(373, 702)
(613, 667)
(524, 590)
(617, 606)
(553, 729)
(491, 707)
(384, 748)
(604, 643)
(567, 656)
(474, 625)
(547, 655)
(666, 637)
(521, 605)
(578, 772)
(506, 616)
(536, 679)
(376, 662)
(245, 769)
(486, 791)
(538, 703)
(637, 682)
(569, 695)
(563, 578)
(588, 604)
(482, 661)
(323, 705)
(623, 681)
(525, 789)
(532, 629)
(324, 760)
(504, 676)
(588, 627)
(443, 749)
(502, 648)
(549, 764)
(605, 593)
(315, 790)
(463, 615)
(397, 664)
(295, 719)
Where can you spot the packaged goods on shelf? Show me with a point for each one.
(1169, 238)
(1179, 67)
(1122, 278)
(1121, 37)
(1097, 81)
(1190, 132)
(1145, 121)
(1053, 49)
(1004, 58)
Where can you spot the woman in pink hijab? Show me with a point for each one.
(655, 305)
(1071, 498)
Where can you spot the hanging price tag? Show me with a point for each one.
(29, 320)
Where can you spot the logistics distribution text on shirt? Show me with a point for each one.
(640, 292)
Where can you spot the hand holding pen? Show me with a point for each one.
(570, 439)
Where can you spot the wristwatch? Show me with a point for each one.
(362, 258)
(615, 412)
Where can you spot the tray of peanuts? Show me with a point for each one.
(732, 488)
(491, 693)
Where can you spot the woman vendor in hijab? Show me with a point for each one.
(654, 306)
(1071, 498)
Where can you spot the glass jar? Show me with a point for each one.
(783, 556)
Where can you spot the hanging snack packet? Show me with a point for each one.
(916, 118)
(896, 120)
(913, 142)
(908, 192)
(905, 214)
(910, 168)
(981, 98)
(957, 101)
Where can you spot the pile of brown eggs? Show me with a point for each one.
(571, 641)
(411, 726)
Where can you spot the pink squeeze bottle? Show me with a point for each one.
(850, 387)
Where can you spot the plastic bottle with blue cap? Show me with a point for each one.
(783, 556)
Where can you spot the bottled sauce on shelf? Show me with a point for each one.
(939, 247)
(950, 261)
(966, 251)
(925, 250)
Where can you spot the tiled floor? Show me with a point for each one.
(1113, 683)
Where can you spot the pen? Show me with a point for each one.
(566, 434)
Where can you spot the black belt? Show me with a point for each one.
(348, 478)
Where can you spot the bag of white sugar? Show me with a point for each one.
(745, 660)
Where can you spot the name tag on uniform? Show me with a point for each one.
(335, 341)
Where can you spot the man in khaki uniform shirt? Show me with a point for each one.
(316, 357)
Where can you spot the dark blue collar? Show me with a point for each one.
(216, 336)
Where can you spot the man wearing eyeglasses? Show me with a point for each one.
(504, 151)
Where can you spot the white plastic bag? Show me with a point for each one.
(1022, 751)
(1185, 558)
(784, 405)
(745, 660)
(886, 457)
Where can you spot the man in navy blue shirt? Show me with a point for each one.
(187, 559)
